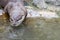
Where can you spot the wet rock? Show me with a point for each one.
(39, 3)
(43, 4)
(40, 13)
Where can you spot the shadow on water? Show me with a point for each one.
(33, 29)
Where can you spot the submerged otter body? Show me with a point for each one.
(16, 11)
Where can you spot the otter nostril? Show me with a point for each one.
(11, 19)
(14, 24)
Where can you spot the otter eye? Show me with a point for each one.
(11, 19)
(19, 18)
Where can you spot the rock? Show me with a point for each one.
(39, 4)
(44, 3)
(31, 13)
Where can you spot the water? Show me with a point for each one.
(32, 29)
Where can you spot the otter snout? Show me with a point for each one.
(17, 21)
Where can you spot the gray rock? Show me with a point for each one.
(44, 3)
(40, 3)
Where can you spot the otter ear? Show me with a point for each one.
(8, 6)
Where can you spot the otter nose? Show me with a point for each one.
(14, 24)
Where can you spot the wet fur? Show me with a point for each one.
(8, 8)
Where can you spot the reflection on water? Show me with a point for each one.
(33, 29)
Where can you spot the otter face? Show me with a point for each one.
(16, 17)
(16, 22)
(17, 13)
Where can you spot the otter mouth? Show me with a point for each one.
(18, 22)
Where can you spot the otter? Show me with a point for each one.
(16, 11)
(43, 4)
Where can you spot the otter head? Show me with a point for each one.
(17, 13)
(16, 17)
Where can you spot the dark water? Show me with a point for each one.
(32, 29)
